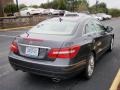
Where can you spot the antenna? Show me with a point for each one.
(60, 19)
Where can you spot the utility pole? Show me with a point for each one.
(17, 5)
(48, 3)
(96, 5)
(73, 5)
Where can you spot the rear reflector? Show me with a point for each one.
(14, 47)
(68, 52)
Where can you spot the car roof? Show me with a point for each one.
(80, 18)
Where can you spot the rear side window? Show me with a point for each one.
(94, 27)
(89, 28)
(98, 26)
(57, 27)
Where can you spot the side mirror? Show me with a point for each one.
(108, 29)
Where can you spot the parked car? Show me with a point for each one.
(56, 12)
(61, 47)
(41, 10)
(73, 14)
(28, 11)
(48, 11)
(66, 12)
(97, 17)
(104, 16)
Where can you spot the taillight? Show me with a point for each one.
(68, 52)
(14, 47)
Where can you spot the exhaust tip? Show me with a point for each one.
(56, 80)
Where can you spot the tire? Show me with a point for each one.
(28, 14)
(90, 67)
(111, 45)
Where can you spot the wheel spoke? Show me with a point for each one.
(91, 66)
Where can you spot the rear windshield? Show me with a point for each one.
(57, 27)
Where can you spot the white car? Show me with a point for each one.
(97, 17)
(72, 14)
(28, 11)
(41, 10)
(56, 12)
(48, 11)
(105, 16)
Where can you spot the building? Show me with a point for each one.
(3, 3)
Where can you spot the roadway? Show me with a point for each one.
(105, 70)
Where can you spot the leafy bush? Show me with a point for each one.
(22, 6)
(34, 6)
(100, 8)
(11, 8)
(71, 5)
(114, 12)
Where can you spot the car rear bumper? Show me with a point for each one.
(62, 72)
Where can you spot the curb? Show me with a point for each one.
(17, 28)
(116, 81)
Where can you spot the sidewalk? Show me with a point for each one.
(118, 87)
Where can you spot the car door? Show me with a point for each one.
(100, 31)
(91, 31)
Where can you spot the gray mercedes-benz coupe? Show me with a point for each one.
(61, 47)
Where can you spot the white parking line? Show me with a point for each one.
(4, 73)
(7, 36)
(5, 70)
(3, 66)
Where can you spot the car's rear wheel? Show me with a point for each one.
(90, 66)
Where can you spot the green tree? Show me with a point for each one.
(71, 5)
(22, 6)
(101, 8)
(10, 9)
(83, 5)
(62, 4)
(114, 12)
(34, 6)
(54, 4)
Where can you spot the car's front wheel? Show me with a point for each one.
(28, 14)
(111, 45)
(90, 66)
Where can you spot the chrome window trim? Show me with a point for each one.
(34, 46)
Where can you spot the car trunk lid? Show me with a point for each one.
(37, 46)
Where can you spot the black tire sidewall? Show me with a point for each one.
(86, 69)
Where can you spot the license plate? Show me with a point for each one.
(32, 51)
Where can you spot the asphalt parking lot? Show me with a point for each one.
(105, 70)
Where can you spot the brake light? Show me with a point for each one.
(14, 47)
(68, 52)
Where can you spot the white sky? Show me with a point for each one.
(110, 3)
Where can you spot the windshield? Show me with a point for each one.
(57, 27)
